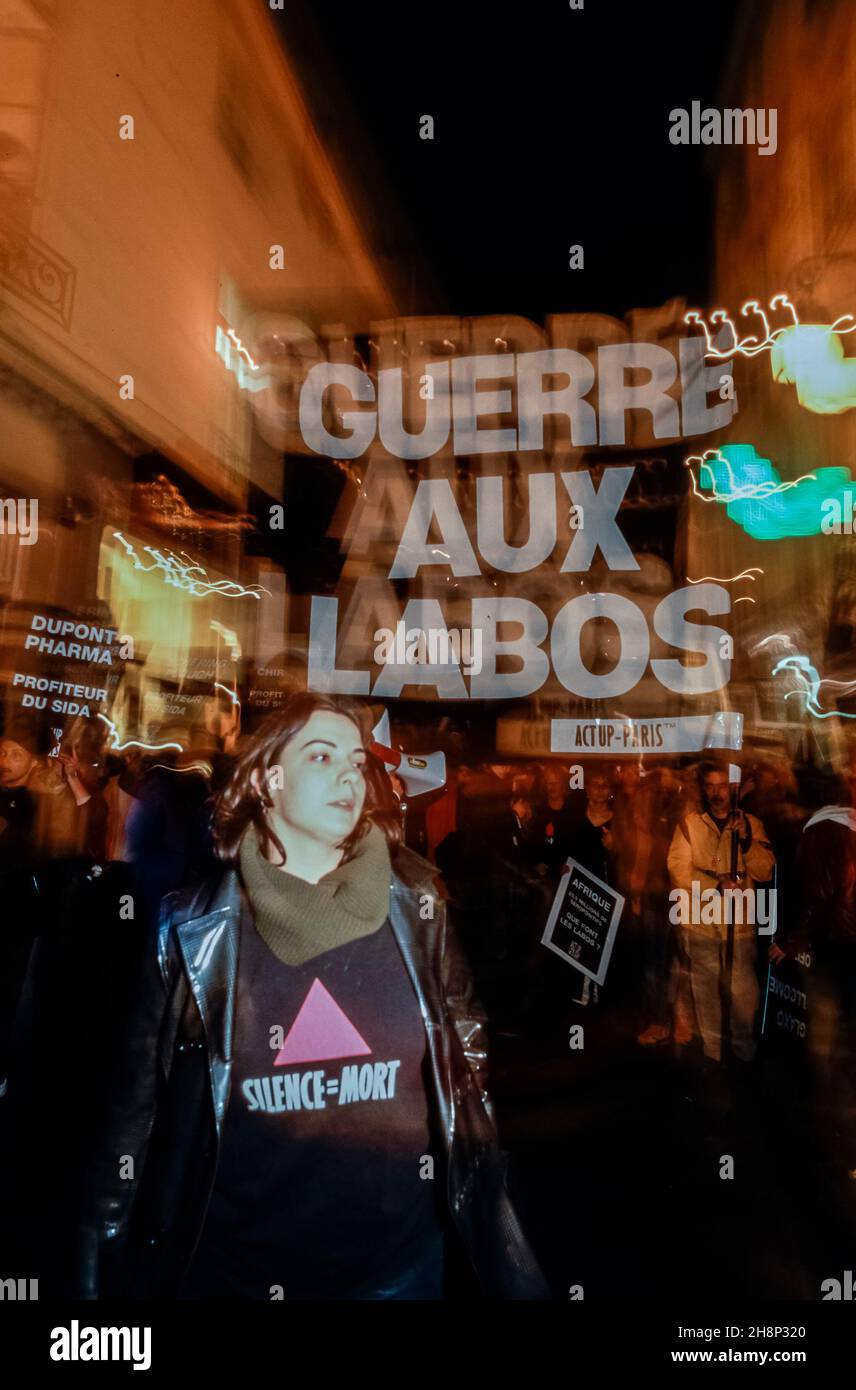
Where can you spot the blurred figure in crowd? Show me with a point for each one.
(525, 824)
(44, 826)
(591, 840)
(701, 855)
(441, 810)
(588, 841)
(591, 844)
(19, 753)
(826, 926)
(19, 765)
(106, 844)
(168, 827)
(644, 823)
(497, 899)
(772, 795)
(561, 812)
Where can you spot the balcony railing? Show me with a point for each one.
(30, 269)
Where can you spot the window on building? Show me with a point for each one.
(25, 36)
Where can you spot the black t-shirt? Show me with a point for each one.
(319, 1187)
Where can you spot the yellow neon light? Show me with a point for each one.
(182, 574)
(205, 768)
(744, 574)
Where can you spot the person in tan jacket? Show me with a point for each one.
(700, 860)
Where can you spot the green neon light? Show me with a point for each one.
(768, 509)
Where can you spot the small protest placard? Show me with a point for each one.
(583, 921)
(787, 1008)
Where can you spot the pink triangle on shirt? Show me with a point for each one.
(320, 1032)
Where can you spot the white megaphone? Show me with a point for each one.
(420, 773)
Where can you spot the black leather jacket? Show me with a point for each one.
(141, 1226)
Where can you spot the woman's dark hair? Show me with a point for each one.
(242, 803)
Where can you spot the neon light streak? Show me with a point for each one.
(238, 361)
(739, 492)
(786, 304)
(811, 684)
(205, 768)
(782, 637)
(190, 577)
(228, 636)
(744, 574)
(756, 498)
(753, 307)
(233, 694)
(751, 346)
(230, 333)
(118, 747)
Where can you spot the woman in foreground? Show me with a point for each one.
(302, 1111)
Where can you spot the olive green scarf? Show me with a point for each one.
(300, 920)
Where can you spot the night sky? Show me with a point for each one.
(551, 128)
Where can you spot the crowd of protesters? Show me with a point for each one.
(76, 825)
(90, 840)
(698, 983)
(83, 827)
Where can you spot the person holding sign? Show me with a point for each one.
(720, 849)
(591, 842)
